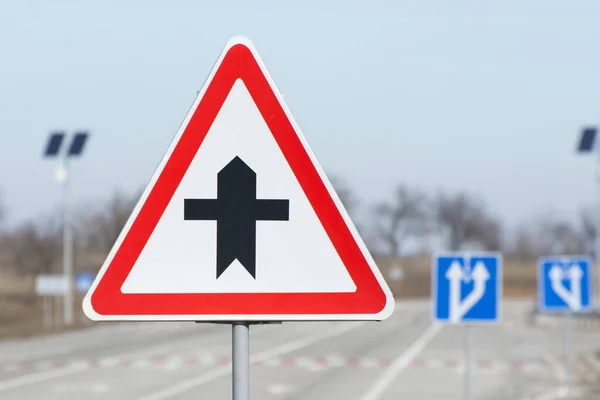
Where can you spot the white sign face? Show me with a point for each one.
(51, 285)
(239, 131)
(239, 221)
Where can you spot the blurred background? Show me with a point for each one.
(442, 125)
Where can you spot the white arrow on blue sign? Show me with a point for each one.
(564, 283)
(467, 288)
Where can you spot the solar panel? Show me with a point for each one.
(54, 143)
(78, 143)
(588, 136)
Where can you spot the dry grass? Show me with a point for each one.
(519, 280)
(21, 311)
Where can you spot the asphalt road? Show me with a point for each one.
(405, 357)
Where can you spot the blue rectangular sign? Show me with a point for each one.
(564, 283)
(467, 288)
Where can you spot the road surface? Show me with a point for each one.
(405, 357)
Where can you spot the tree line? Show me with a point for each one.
(406, 222)
(463, 221)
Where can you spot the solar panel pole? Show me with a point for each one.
(63, 176)
(68, 245)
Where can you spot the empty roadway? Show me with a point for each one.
(403, 357)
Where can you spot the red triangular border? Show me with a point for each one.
(369, 298)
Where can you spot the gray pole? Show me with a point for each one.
(56, 312)
(47, 315)
(67, 248)
(568, 350)
(467, 370)
(241, 360)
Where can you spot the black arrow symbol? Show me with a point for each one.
(236, 210)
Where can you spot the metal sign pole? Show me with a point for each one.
(57, 318)
(568, 349)
(67, 248)
(467, 345)
(241, 360)
(467, 361)
(47, 315)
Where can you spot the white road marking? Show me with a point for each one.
(369, 363)
(562, 390)
(207, 359)
(174, 363)
(40, 376)
(335, 360)
(313, 363)
(560, 393)
(82, 387)
(271, 353)
(400, 363)
(278, 389)
(78, 367)
(62, 343)
(309, 364)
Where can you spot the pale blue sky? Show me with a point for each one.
(485, 96)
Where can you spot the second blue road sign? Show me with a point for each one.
(564, 284)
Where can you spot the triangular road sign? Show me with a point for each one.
(239, 221)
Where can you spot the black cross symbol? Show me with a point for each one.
(236, 210)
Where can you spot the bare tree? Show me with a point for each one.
(491, 235)
(552, 236)
(352, 204)
(404, 217)
(35, 248)
(523, 248)
(559, 237)
(102, 228)
(345, 194)
(464, 220)
(588, 227)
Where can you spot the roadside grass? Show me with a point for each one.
(22, 311)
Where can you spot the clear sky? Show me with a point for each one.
(484, 96)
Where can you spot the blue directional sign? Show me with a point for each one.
(564, 284)
(83, 281)
(467, 288)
